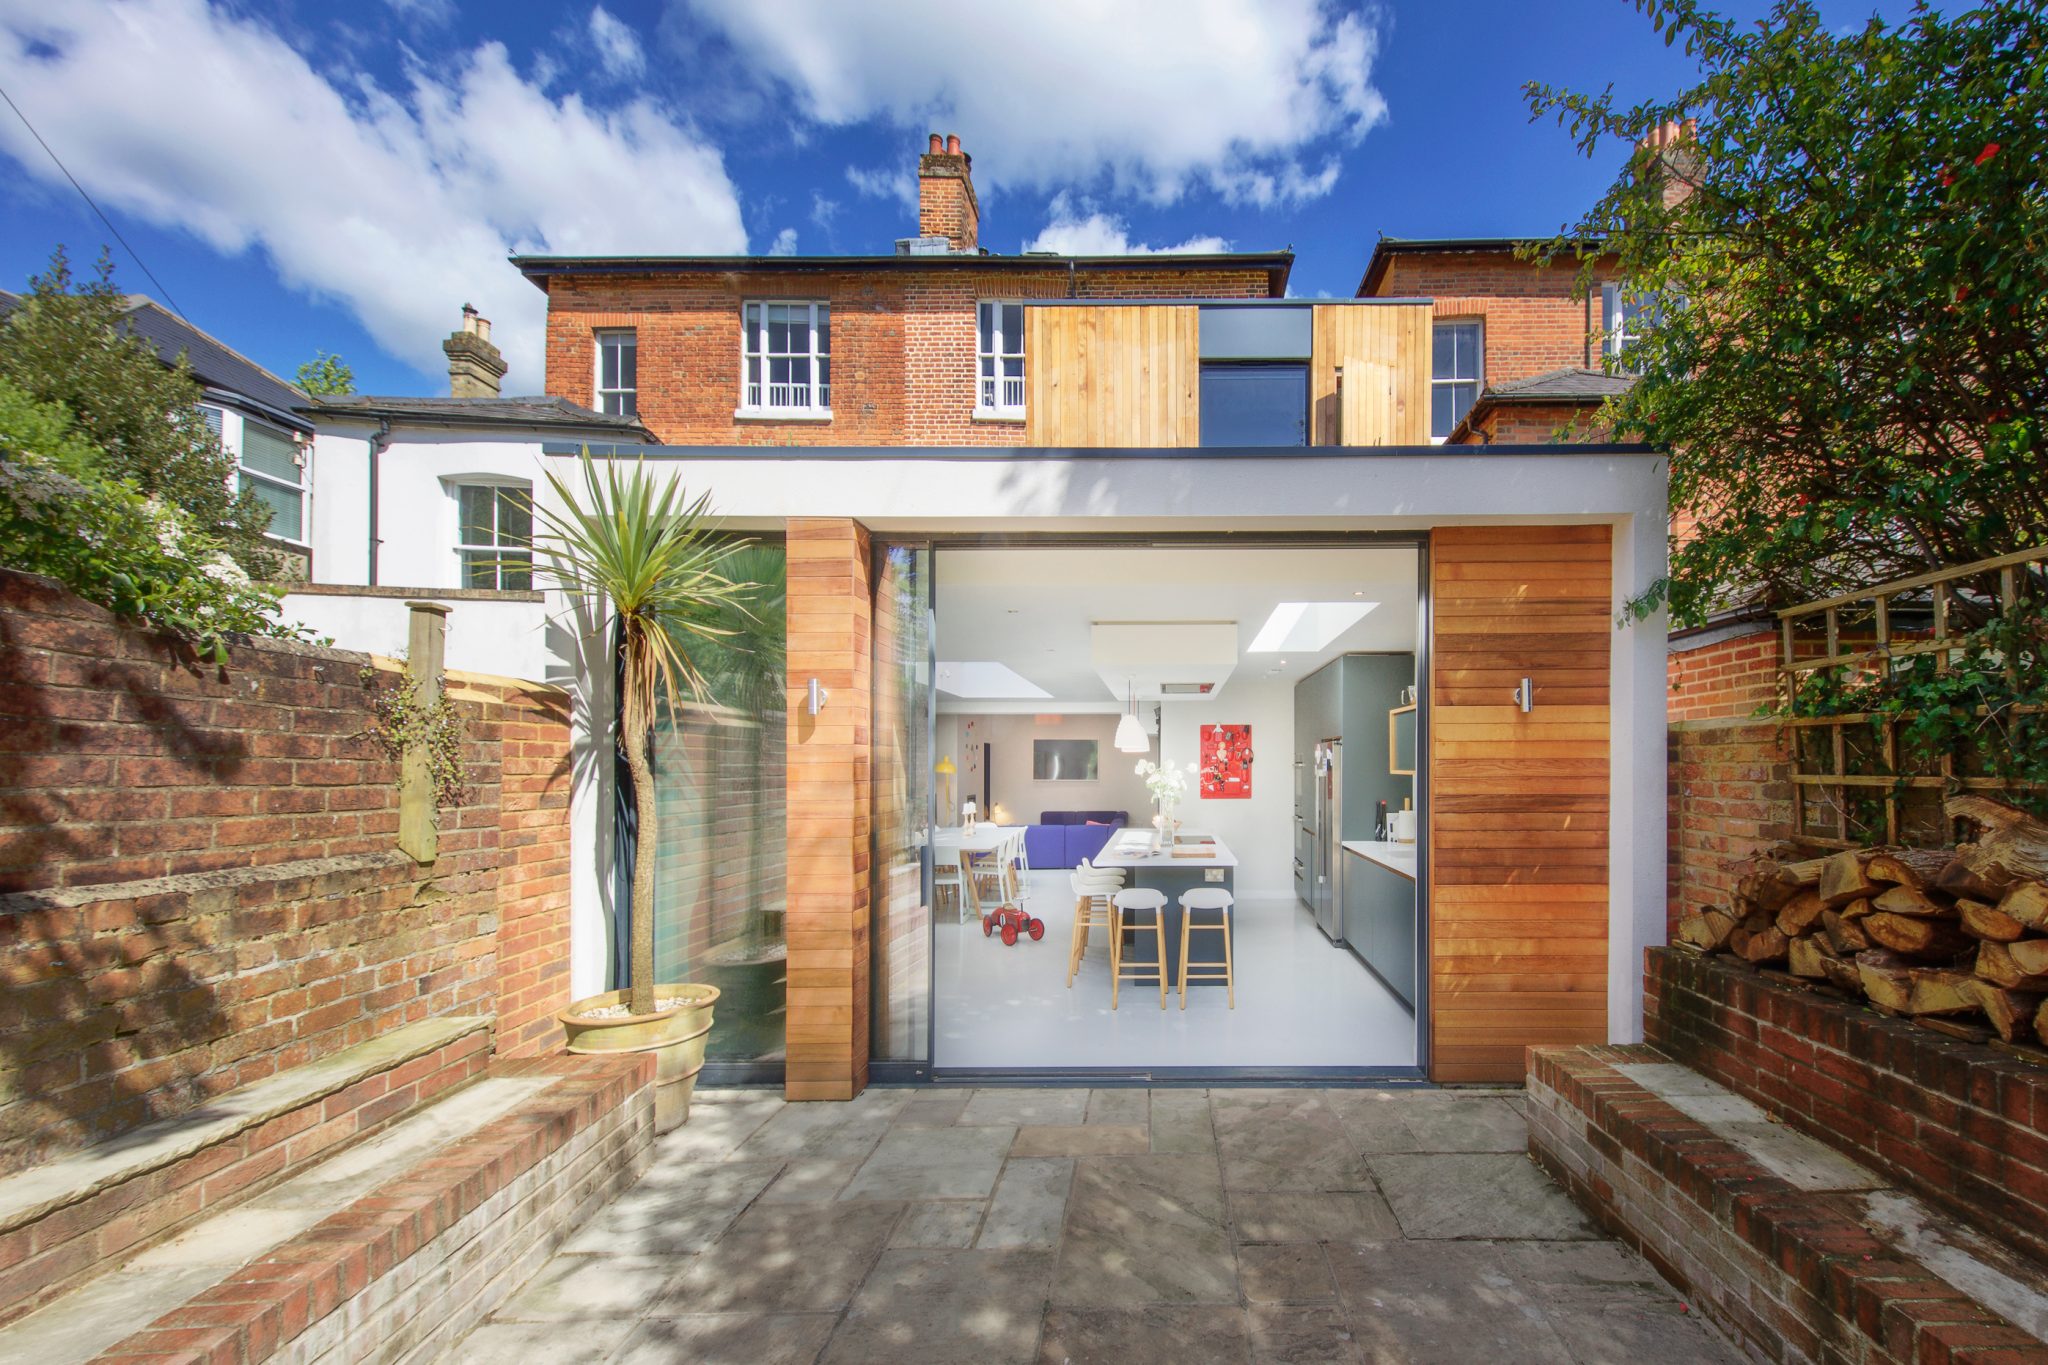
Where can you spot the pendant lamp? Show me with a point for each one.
(1130, 734)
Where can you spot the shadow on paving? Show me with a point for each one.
(1051, 1226)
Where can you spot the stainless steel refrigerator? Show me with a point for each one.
(1326, 837)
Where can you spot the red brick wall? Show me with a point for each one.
(1727, 679)
(1730, 789)
(199, 880)
(1532, 322)
(1533, 424)
(1958, 1122)
(903, 346)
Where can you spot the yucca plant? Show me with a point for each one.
(650, 556)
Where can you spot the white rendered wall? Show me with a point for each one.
(505, 638)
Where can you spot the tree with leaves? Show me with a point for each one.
(66, 344)
(1840, 268)
(326, 375)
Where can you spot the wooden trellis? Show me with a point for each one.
(1871, 631)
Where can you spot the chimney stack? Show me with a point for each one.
(946, 206)
(474, 365)
(1674, 162)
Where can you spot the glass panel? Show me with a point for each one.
(1013, 328)
(515, 517)
(269, 452)
(986, 326)
(824, 329)
(753, 328)
(608, 363)
(286, 507)
(1254, 405)
(212, 417)
(719, 771)
(1443, 414)
(512, 577)
(475, 501)
(1444, 354)
(629, 363)
(900, 937)
(479, 569)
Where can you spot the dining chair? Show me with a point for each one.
(946, 877)
(1093, 886)
(981, 873)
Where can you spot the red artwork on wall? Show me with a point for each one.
(1226, 762)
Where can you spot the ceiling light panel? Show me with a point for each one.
(986, 681)
(1307, 626)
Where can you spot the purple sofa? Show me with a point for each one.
(1062, 838)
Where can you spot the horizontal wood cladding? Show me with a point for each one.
(830, 615)
(1384, 353)
(1111, 375)
(1519, 806)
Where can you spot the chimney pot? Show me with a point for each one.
(475, 366)
(938, 144)
(952, 144)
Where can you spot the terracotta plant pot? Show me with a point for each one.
(675, 1036)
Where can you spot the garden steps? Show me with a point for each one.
(381, 1253)
(64, 1222)
(1797, 1250)
(80, 1325)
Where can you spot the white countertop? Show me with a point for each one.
(1396, 858)
(1133, 848)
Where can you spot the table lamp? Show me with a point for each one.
(967, 815)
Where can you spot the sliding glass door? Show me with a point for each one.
(901, 785)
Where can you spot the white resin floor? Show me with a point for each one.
(1301, 1001)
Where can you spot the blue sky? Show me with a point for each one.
(306, 176)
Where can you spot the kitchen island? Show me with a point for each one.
(1185, 867)
(1380, 911)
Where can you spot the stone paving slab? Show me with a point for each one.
(1123, 1225)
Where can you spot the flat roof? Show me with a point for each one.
(539, 269)
(1024, 453)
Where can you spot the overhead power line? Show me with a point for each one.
(90, 204)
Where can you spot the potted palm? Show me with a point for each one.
(646, 555)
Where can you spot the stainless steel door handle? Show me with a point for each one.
(1525, 695)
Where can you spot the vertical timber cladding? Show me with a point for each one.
(1112, 375)
(830, 619)
(1519, 802)
(1383, 350)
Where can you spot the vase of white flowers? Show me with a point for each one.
(1166, 784)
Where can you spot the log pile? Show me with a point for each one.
(1959, 934)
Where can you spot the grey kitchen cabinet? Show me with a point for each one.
(1379, 922)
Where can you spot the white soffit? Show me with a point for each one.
(1183, 660)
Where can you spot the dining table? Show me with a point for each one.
(949, 842)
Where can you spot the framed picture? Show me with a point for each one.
(1226, 762)
(1064, 760)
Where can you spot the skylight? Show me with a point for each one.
(987, 681)
(1307, 626)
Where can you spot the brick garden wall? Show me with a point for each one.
(1730, 788)
(199, 883)
(1960, 1123)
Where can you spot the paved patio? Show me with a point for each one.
(1095, 1225)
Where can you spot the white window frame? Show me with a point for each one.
(1615, 336)
(1477, 381)
(496, 550)
(244, 473)
(757, 399)
(990, 391)
(607, 336)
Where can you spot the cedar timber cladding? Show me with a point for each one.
(1384, 355)
(1112, 375)
(1519, 810)
(830, 618)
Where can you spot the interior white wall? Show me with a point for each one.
(1118, 786)
(1259, 829)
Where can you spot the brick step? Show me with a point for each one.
(69, 1220)
(1799, 1252)
(385, 1252)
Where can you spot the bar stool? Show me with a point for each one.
(1093, 886)
(1137, 900)
(1206, 898)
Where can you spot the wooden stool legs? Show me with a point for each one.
(1153, 971)
(1206, 971)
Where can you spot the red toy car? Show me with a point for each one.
(1011, 922)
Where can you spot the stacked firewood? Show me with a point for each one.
(1934, 934)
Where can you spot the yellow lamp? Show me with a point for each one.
(945, 769)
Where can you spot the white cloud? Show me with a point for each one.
(1154, 96)
(400, 204)
(430, 12)
(618, 47)
(1082, 229)
(784, 243)
(883, 183)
